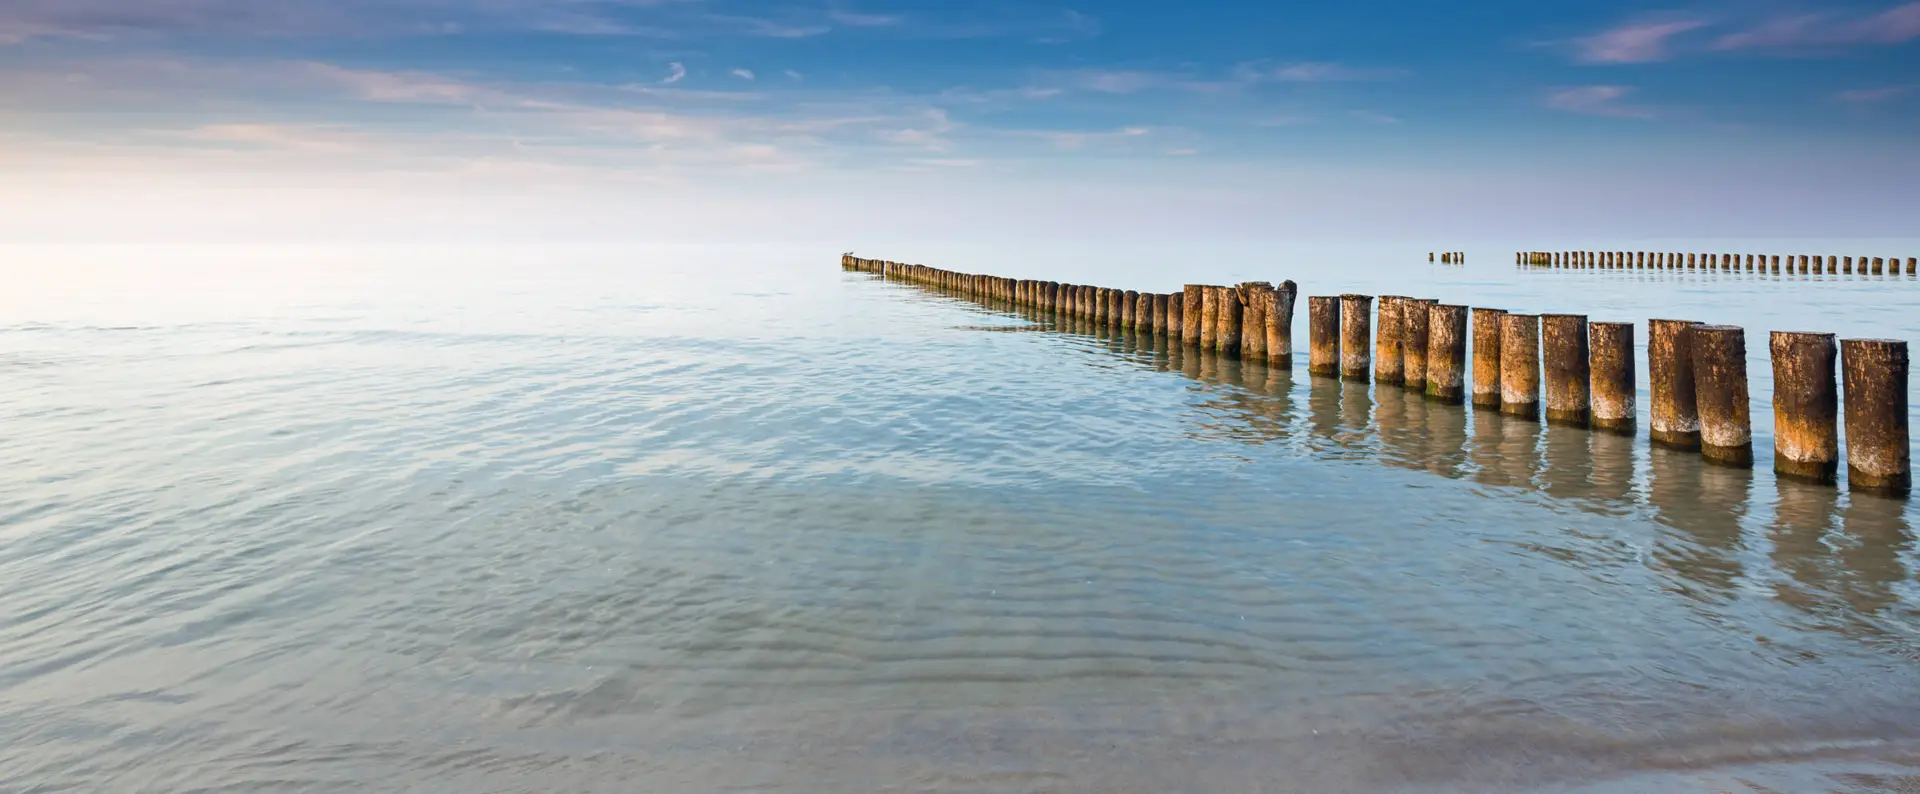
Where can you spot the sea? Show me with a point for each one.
(727, 518)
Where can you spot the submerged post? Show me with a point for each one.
(1675, 416)
(1254, 297)
(1720, 387)
(1227, 337)
(1387, 364)
(1615, 391)
(1280, 324)
(1486, 357)
(1209, 317)
(1129, 309)
(1520, 365)
(1446, 353)
(1878, 457)
(1160, 316)
(1356, 311)
(1176, 315)
(1564, 343)
(1323, 335)
(1191, 307)
(1806, 406)
(1413, 342)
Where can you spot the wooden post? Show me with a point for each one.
(1143, 311)
(1879, 266)
(1356, 311)
(1129, 309)
(1227, 337)
(1160, 317)
(1806, 406)
(1280, 324)
(1117, 307)
(1414, 336)
(1446, 353)
(1254, 298)
(1564, 345)
(1486, 357)
(1720, 388)
(1520, 365)
(1879, 459)
(1209, 317)
(1615, 391)
(1177, 316)
(1674, 413)
(1323, 335)
(1192, 305)
(1388, 367)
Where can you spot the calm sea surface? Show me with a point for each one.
(700, 520)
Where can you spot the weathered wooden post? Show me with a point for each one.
(1720, 388)
(1388, 333)
(1160, 326)
(1323, 335)
(1615, 389)
(1414, 336)
(1144, 318)
(1879, 459)
(1806, 406)
(1913, 265)
(1280, 324)
(1520, 365)
(1209, 317)
(1227, 338)
(1879, 266)
(1129, 308)
(1192, 306)
(1117, 310)
(1564, 343)
(1486, 357)
(1674, 413)
(1254, 298)
(1177, 316)
(1446, 353)
(1356, 349)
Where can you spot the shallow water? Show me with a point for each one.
(731, 519)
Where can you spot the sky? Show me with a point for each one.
(830, 121)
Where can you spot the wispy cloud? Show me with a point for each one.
(1375, 117)
(1596, 100)
(675, 73)
(1871, 95)
(858, 20)
(771, 28)
(1643, 41)
(1321, 72)
(1896, 25)
(744, 74)
(1075, 140)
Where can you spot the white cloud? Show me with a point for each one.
(1596, 100)
(744, 74)
(675, 73)
(858, 20)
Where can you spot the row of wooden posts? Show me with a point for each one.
(1697, 371)
(1773, 263)
(1449, 258)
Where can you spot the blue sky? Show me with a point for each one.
(707, 118)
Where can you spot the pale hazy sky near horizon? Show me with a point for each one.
(837, 120)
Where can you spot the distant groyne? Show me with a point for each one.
(1750, 263)
(1557, 367)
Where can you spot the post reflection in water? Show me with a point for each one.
(1875, 536)
(1703, 506)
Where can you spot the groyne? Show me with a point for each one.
(1748, 263)
(1557, 367)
